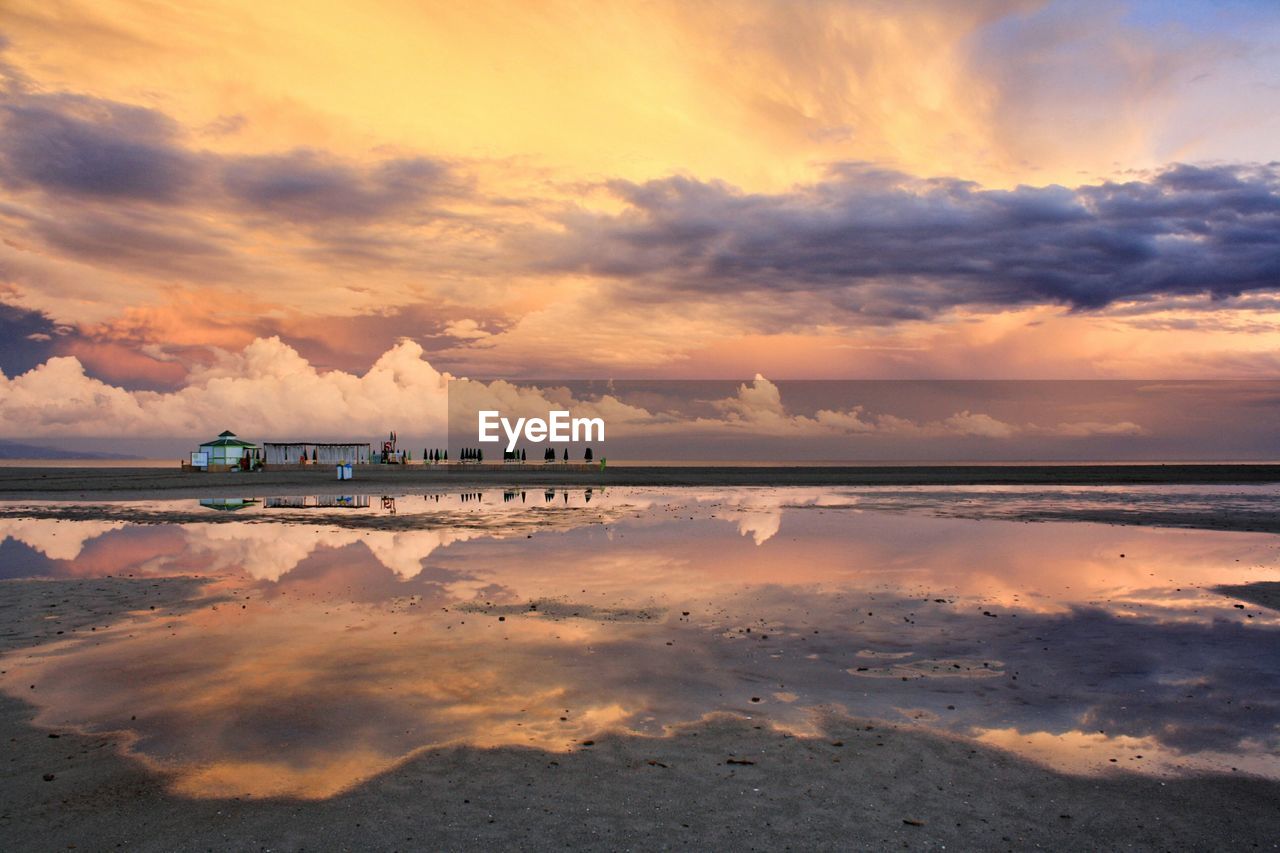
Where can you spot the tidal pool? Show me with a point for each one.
(340, 637)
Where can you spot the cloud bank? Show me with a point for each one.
(268, 388)
(270, 391)
(893, 247)
(837, 189)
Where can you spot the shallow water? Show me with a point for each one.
(344, 638)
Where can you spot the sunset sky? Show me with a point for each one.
(344, 202)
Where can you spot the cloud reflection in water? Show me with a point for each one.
(338, 651)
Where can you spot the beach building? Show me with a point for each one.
(225, 452)
(316, 452)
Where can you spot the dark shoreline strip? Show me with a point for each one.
(121, 483)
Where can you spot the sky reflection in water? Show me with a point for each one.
(350, 637)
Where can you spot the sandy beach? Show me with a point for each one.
(725, 782)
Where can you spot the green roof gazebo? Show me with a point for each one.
(226, 450)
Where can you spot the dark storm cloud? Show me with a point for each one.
(882, 243)
(306, 185)
(78, 146)
(140, 241)
(75, 148)
(109, 183)
(27, 338)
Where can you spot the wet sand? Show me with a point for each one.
(54, 483)
(718, 783)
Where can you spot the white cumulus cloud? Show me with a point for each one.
(267, 389)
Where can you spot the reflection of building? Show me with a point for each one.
(317, 501)
(319, 453)
(227, 504)
(224, 453)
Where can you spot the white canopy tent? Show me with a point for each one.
(328, 453)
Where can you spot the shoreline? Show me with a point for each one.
(63, 483)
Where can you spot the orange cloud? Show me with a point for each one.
(285, 177)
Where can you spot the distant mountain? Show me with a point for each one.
(17, 450)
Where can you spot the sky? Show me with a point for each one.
(207, 206)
